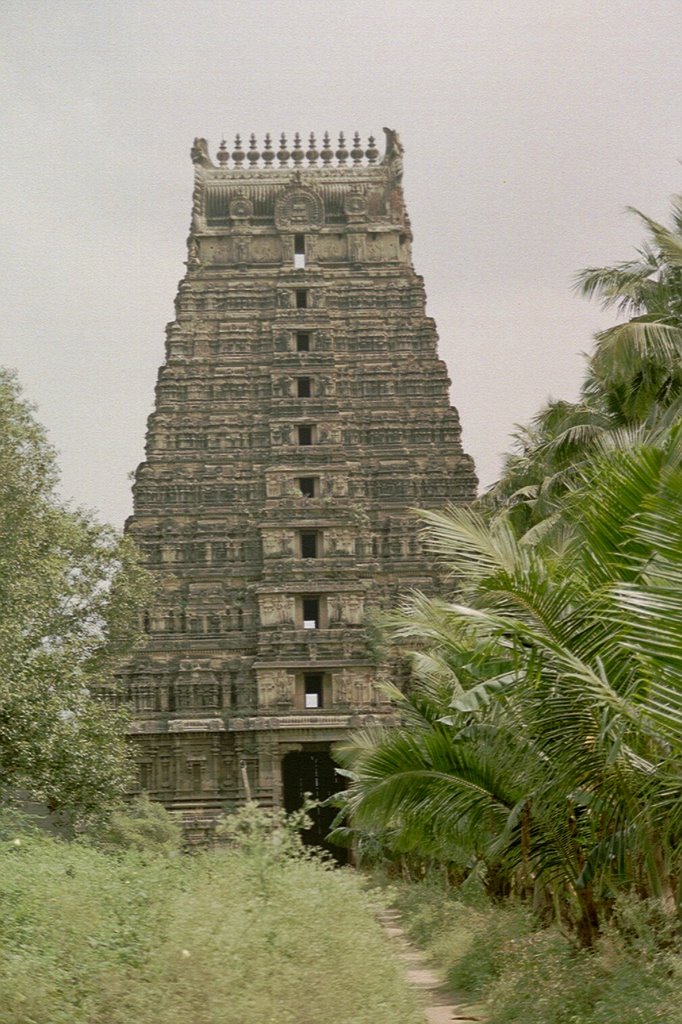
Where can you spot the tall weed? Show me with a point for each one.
(229, 937)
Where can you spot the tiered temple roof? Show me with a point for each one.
(301, 413)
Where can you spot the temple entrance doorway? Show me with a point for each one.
(312, 770)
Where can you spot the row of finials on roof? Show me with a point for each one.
(253, 156)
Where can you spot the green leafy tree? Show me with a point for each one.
(544, 744)
(70, 590)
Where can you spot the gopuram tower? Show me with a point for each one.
(301, 413)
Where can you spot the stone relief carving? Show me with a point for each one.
(241, 209)
(241, 250)
(356, 249)
(266, 250)
(299, 208)
(285, 608)
(355, 206)
(271, 543)
(334, 608)
(330, 247)
(394, 155)
(353, 609)
(199, 153)
(362, 689)
(267, 688)
(381, 247)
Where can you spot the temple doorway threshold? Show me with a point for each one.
(312, 770)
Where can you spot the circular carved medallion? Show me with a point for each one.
(299, 208)
(355, 205)
(241, 208)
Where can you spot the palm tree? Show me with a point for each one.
(632, 391)
(544, 742)
(546, 455)
(638, 364)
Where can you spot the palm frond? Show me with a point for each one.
(641, 346)
(625, 285)
(669, 242)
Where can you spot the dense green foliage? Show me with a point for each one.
(242, 936)
(541, 746)
(496, 958)
(632, 390)
(69, 594)
(141, 825)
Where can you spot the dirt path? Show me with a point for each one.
(442, 1005)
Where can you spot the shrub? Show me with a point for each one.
(470, 938)
(549, 981)
(143, 825)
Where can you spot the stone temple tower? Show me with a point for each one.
(301, 412)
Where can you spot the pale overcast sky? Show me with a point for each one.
(528, 127)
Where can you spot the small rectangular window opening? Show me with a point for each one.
(308, 545)
(299, 252)
(307, 486)
(301, 298)
(303, 388)
(312, 688)
(311, 613)
(305, 435)
(302, 341)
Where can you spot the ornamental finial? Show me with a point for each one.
(253, 156)
(357, 152)
(238, 153)
(312, 154)
(372, 153)
(327, 153)
(342, 152)
(297, 153)
(268, 153)
(283, 153)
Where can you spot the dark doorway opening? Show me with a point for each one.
(311, 613)
(308, 545)
(313, 772)
(313, 690)
(308, 486)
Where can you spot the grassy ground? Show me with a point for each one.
(236, 937)
(495, 956)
